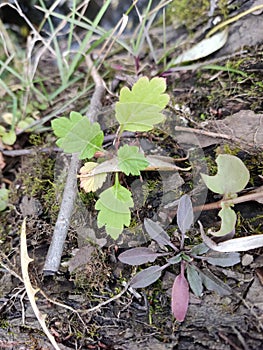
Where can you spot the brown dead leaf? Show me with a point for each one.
(244, 126)
(89, 181)
(82, 257)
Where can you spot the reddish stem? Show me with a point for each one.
(218, 205)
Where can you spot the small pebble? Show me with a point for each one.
(247, 259)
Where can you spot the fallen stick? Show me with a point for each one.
(55, 250)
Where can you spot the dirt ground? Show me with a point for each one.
(201, 99)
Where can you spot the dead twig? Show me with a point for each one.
(97, 307)
(53, 257)
(34, 150)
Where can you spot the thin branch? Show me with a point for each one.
(98, 306)
(34, 150)
(55, 250)
(54, 254)
(252, 196)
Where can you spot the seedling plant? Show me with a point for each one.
(187, 258)
(232, 169)
(137, 110)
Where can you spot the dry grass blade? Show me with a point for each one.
(31, 292)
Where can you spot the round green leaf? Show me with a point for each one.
(232, 176)
(9, 138)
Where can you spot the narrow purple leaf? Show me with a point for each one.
(185, 214)
(157, 233)
(180, 296)
(146, 277)
(139, 256)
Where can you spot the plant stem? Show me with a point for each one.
(218, 205)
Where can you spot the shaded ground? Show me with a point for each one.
(143, 320)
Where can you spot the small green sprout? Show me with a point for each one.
(138, 109)
(232, 177)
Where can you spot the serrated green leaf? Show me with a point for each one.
(140, 109)
(130, 160)
(114, 212)
(77, 135)
(61, 126)
(232, 176)
(228, 223)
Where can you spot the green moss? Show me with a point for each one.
(233, 150)
(87, 198)
(253, 225)
(93, 275)
(222, 5)
(187, 12)
(35, 178)
(4, 324)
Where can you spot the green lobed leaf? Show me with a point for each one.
(140, 109)
(232, 176)
(77, 135)
(114, 212)
(130, 160)
(25, 123)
